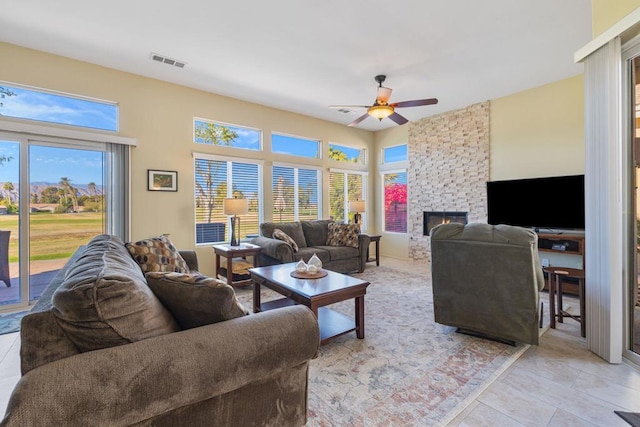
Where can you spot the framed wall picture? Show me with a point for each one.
(162, 180)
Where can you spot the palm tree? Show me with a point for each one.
(93, 191)
(8, 187)
(68, 189)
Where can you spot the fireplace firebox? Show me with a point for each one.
(431, 219)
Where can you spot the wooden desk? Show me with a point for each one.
(375, 239)
(229, 252)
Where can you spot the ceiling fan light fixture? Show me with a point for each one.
(380, 111)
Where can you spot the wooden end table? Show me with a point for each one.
(315, 294)
(375, 239)
(229, 252)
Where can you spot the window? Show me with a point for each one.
(217, 178)
(212, 133)
(395, 201)
(295, 194)
(33, 104)
(341, 153)
(397, 153)
(295, 146)
(345, 187)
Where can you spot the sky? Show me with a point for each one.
(49, 164)
(53, 108)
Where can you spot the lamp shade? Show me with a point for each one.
(357, 206)
(236, 206)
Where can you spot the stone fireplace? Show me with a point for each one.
(432, 218)
(448, 171)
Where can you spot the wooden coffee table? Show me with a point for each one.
(315, 294)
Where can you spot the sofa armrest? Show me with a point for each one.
(363, 245)
(191, 258)
(274, 248)
(127, 384)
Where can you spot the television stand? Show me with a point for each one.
(572, 244)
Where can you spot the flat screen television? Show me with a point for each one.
(555, 202)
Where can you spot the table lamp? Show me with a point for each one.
(235, 206)
(357, 206)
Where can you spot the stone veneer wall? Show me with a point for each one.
(448, 169)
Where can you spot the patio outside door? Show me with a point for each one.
(12, 290)
(59, 208)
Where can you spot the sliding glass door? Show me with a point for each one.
(52, 201)
(66, 207)
(12, 290)
(633, 197)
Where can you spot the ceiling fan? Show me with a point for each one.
(381, 108)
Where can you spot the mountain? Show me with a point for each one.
(38, 186)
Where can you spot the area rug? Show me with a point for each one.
(10, 322)
(408, 370)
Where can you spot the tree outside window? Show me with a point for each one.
(395, 202)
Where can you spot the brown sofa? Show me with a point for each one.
(311, 238)
(250, 370)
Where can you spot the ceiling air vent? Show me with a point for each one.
(344, 110)
(169, 61)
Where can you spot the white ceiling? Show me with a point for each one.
(303, 56)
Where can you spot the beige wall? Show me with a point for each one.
(533, 133)
(605, 13)
(160, 116)
(538, 132)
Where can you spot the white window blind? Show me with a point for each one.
(345, 187)
(295, 193)
(217, 179)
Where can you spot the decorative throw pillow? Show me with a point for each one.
(343, 234)
(281, 235)
(157, 254)
(195, 300)
(104, 300)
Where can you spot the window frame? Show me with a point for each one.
(288, 135)
(296, 169)
(365, 177)
(228, 159)
(361, 149)
(382, 198)
(72, 96)
(216, 122)
(396, 162)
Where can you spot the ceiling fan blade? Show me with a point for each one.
(415, 103)
(384, 93)
(398, 118)
(349, 106)
(359, 119)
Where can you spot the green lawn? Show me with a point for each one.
(53, 236)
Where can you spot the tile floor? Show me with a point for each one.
(558, 383)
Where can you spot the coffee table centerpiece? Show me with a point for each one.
(315, 293)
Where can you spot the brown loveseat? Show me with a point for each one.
(250, 370)
(311, 238)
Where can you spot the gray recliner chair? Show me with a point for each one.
(486, 280)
